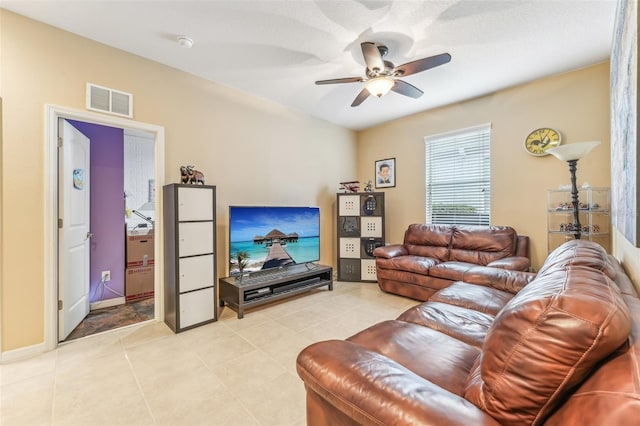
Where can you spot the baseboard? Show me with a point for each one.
(107, 303)
(22, 353)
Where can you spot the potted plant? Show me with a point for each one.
(241, 259)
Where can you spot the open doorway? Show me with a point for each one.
(114, 232)
(103, 291)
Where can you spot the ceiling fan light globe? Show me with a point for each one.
(380, 86)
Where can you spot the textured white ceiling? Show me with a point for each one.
(277, 49)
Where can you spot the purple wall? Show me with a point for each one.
(107, 208)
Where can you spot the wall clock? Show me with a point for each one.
(540, 140)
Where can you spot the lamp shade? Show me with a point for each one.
(380, 86)
(574, 151)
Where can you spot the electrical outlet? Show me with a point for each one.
(106, 276)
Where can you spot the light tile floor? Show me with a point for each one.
(230, 372)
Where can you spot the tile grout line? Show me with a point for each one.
(138, 384)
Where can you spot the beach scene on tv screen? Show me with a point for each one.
(273, 236)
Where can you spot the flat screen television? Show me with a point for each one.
(271, 237)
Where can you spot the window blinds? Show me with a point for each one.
(458, 177)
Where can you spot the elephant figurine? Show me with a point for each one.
(188, 174)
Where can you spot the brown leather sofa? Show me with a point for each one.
(504, 347)
(433, 257)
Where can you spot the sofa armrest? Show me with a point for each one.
(501, 279)
(522, 246)
(372, 389)
(514, 263)
(390, 251)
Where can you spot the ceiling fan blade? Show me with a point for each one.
(364, 94)
(341, 80)
(422, 64)
(406, 89)
(372, 56)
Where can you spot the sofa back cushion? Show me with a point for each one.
(579, 252)
(482, 244)
(545, 341)
(428, 240)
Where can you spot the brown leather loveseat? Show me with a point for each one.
(433, 257)
(504, 348)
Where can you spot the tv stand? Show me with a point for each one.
(240, 292)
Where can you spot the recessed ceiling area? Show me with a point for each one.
(278, 49)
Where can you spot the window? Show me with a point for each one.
(458, 177)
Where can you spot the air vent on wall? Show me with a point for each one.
(110, 101)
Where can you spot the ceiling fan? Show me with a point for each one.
(382, 76)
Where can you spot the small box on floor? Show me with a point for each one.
(138, 283)
(140, 247)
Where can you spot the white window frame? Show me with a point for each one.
(458, 177)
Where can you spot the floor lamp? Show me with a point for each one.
(571, 154)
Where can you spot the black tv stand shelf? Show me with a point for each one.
(240, 292)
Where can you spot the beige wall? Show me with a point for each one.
(575, 103)
(258, 152)
(255, 151)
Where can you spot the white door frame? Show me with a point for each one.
(52, 114)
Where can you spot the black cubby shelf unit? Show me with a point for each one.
(360, 230)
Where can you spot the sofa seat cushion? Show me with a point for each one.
(453, 271)
(471, 296)
(415, 264)
(402, 342)
(545, 341)
(464, 324)
(481, 244)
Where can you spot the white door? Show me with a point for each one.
(74, 235)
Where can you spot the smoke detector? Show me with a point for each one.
(185, 42)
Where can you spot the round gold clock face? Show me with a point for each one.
(540, 140)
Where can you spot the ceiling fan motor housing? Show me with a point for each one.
(388, 70)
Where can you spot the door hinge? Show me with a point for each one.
(60, 223)
(59, 142)
(59, 305)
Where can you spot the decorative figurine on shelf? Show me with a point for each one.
(570, 227)
(188, 174)
(350, 186)
(184, 177)
(368, 187)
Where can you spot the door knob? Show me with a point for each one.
(89, 235)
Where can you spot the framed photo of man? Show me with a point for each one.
(386, 173)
